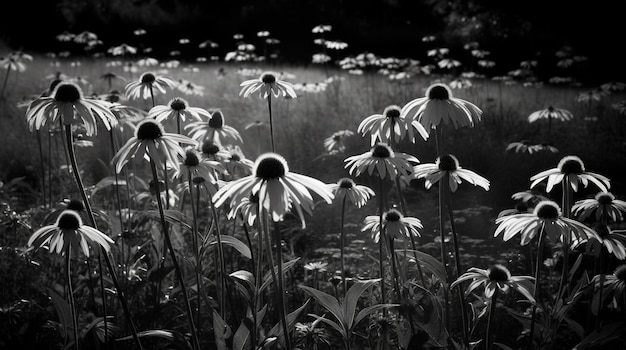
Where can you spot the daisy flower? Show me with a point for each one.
(448, 164)
(523, 146)
(335, 143)
(496, 277)
(603, 204)
(547, 216)
(177, 108)
(279, 189)
(248, 208)
(236, 163)
(544, 146)
(551, 113)
(613, 286)
(67, 102)
(440, 106)
(346, 188)
(572, 169)
(614, 241)
(144, 88)
(394, 224)
(152, 141)
(267, 84)
(213, 130)
(382, 127)
(196, 167)
(214, 151)
(68, 230)
(382, 158)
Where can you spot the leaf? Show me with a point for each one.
(106, 182)
(368, 310)
(63, 311)
(328, 302)
(352, 297)
(277, 330)
(176, 338)
(430, 263)
(502, 346)
(267, 278)
(241, 339)
(331, 323)
(171, 216)
(235, 243)
(602, 336)
(221, 330)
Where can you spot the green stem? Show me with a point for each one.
(68, 276)
(220, 263)
(381, 251)
(269, 107)
(179, 273)
(343, 246)
(281, 285)
(492, 311)
(444, 254)
(43, 168)
(194, 242)
(540, 244)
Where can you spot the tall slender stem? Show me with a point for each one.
(492, 310)
(220, 263)
(381, 250)
(6, 79)
(179, 273)
(444, 254)
(42, 168)
(343, 246)
(269, 108)
(68, 276)
(540, 244)
(194, 241)
(281, 285)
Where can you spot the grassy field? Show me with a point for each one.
(596, 134)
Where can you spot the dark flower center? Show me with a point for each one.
(217, 120)
(67, 92)
(148, 78)
(271, 167)
(499, 273)
(547, 210)
(149, 130)
(191, 158)
(381, 150)
(571, 165)
(268, 78)
(521, 207)
(336, 137)
(605, 198)
(448, 162)
(550, 109)
(178, 104)
(153, 188)
(69, 220)
(393, 215)
(75, 205)
(346, 183)
(438, 92)
(235, 157)
(392, 112)
(198, 180)
(210, 148)
(620, 272)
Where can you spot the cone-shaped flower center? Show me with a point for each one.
(550, 109)
(148, 78)
(381, 150)
(439, 92)
(153, 188)
(198, 180)
(67, 92)
(620, 272)
(393, 215)
(448, 162)
(605, 198)
(268, 78)
(571, 165)
(210, 148)
(392, 112)
(499, 273)
(337, 137)
(234, 157)
(346, 183)
(217, 120)
(149, 130)
(178, 104)
(75, 205)
(270, 166)
(191, 158)
(69, 220)
(547, 210)
(113, 96)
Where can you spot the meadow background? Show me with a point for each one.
(334, 94)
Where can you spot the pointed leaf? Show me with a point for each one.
(351, 299)
(241, 339)
(430, 263)
(235, 243)
(267, 278)
(221, 330)
(368, 310)
(277, 330)
(175, 338)
(333, 324)
(327, 301)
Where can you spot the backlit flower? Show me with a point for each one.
(150, 140)
(175, 109)
(497, 276)
(237, 165)
(267, 84)
(69, 231)
(603, 205)
(214, 130)
(67, 102)
(448, 164)
(335, 143)
(395, 225)
(346, 188)
(439, 106)
(550, 113)
(614, 241)
(547, 216)
(523, 146)
(383, 127)
(195, 166)
(572, 169)
(382, 158)
(147, 85)
(278, 189)
(613, 286)
(248, 208)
